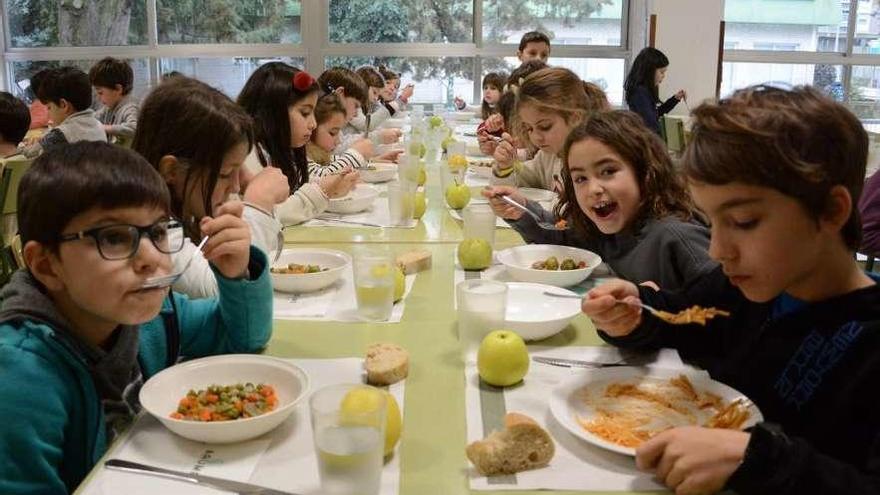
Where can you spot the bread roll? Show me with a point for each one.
(522, 445)
(386, 364)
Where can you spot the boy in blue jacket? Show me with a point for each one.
(78, 334)
(779, 174)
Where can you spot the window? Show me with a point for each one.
(224, 73)
(22, 71)
(35, 23)
(437, 79)
(266, 21)
(401, 21)
(808, 25)
(565, 21)
(740, 75)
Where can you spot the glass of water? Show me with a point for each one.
(479, 222)
(348, 428)
(481, 309)
(374, 286)
(401, 201)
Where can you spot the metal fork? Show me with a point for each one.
(544, 225)
(631, 303)
(166, 280)
(279, 247)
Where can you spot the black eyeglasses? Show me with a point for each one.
(121, 241)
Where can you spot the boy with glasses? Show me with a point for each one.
(79, 332)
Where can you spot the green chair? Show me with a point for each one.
(13, 170)
(674, 132)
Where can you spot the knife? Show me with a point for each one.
(196, 479)
(574, 363)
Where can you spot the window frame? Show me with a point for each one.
(314, 45)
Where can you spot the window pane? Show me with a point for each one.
(864, 97)
(225, 74)
(401, 21)
(437, 80)
(229, 21)
(567, 22)
(741, 74)
(803, 25)
(104, 23)
(607, 73)
(22, 71)
(867, 39)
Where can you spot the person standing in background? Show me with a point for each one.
(642, 85)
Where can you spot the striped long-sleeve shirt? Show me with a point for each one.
(351, 158)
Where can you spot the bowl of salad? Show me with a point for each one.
(308, 270)
(225, 399)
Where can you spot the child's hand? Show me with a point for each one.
(459, 103)
(364, 147)
(494, 123)
(500, 207)
(407, 92)
(605, 305)
(388, 136)
(487, 144)
(693, 460)
(505, 152)
(267, 188)
(228, 249)
(390, 156)
(681, 95)
(338, 185)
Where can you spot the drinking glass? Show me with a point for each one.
(479, 222)
(401, 201)
(348, 428)
(481, 309)
(374, 286)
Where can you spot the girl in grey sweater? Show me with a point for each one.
(622, 199)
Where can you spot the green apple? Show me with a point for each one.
(423, 176)
(418, 149)
(420, 205)
(457, 195)
(446, 142)
(399, 283)
(435, 122)
(474, 254)
(502, 359)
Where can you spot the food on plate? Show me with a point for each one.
(481, 162)
(552, 263)
(694, 314)
(297, 269)
(520, 446)
(386, 364)
(630, 412)
(224, 403)
(561, 223)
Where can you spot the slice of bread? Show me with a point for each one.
(520, 446)
(386, 364)
(414, 261)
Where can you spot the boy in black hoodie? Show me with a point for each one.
(778, 173)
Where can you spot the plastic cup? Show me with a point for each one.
(481, 309)
(374, 286)
(479, 222)
(401, 201)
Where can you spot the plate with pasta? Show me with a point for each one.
(620, 408)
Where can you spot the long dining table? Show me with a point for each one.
(432, 445)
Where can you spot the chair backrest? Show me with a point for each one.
(663, 128)
(674, 128)
(13, 171)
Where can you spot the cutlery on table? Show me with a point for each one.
(353, 222)
(196, 479)
(544, 225)
(575, 363)
(694, 314)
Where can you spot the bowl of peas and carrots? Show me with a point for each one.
(226, 398)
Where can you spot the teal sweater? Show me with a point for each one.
(51, 421)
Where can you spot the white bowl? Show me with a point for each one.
(537, 194)
(478, 165)
(383, 172)
(518, 261)
(336, 263)
(161, 394)
(359, 199)
(534, 315)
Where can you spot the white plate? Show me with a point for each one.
(335, 261)
(382, 172)
(162, 392)
(567, 404)
(534, 315)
